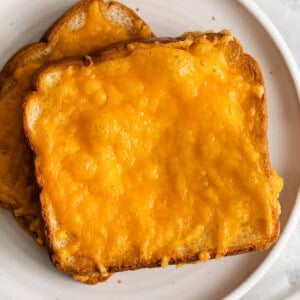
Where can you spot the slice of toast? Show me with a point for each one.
(88, 26)
(151, 153)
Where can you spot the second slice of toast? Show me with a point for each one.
(88, 26)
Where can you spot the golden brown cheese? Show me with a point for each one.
(151, 155)
(99, 30)
(92, 31)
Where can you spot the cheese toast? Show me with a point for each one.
(153, 152)
(88, 26)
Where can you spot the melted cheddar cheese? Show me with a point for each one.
(100, 28)
(151, 156)
(87, 32)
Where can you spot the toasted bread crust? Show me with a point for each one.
(33, 53)
(91, 275)
(30, 52)
(84, 268)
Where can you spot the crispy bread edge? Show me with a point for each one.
(29, 53)
(89, 273)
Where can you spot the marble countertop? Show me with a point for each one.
(283, 279)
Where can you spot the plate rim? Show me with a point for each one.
(253, 8)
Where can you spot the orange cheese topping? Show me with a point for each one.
(150, 155)
(87, 33)
(100, 29)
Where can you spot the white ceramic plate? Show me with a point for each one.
(26, 271)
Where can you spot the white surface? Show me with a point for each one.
(25, 269)
(283, 278)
